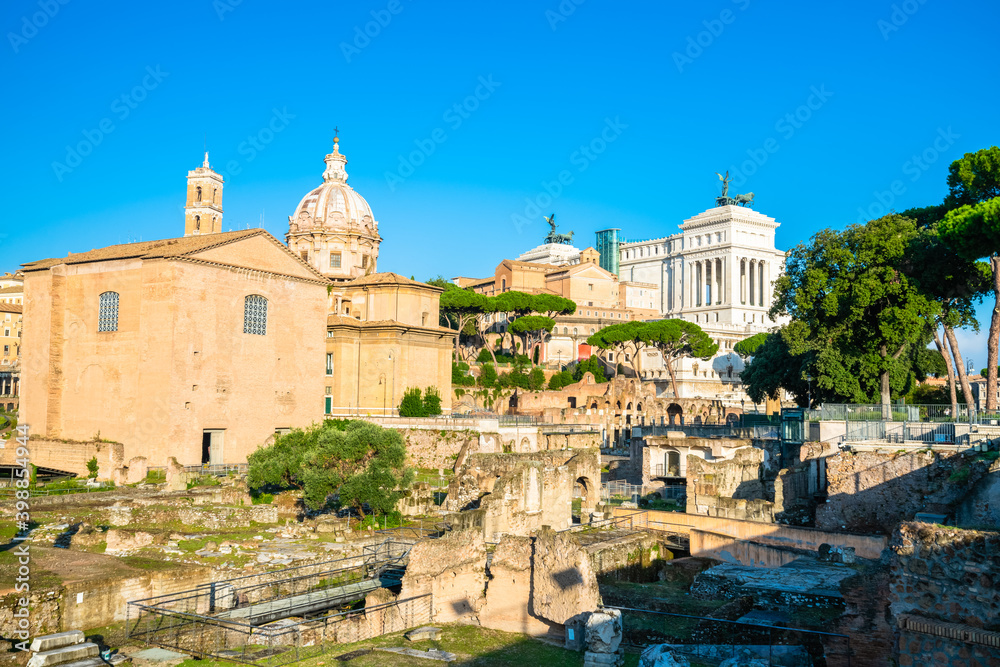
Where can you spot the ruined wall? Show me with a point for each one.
(434, 449)
(529, 497)
(874, 491)
(509, 590)
(731, 488)
(944, 595)
(72, 455)
(774, 534)
(728, 549)
(632, 557)
(453, 570)
(981, 506)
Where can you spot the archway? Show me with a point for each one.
(585, 497)
(673, 461)
(676, 414)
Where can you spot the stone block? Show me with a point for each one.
(58, 640)
(136, 470)
(65, 654)
(427, 632)
(604, 631)
(661, 655)
(591, 659)
(744, 658)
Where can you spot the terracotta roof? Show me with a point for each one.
(341, 320)
(11, 308)
(13, 289)
(388, 278)
(176, 247)
(531, 265)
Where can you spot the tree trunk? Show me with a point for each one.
(963, 377)
(885, 389)
(673, 376)
(951, 371)
(994, 340)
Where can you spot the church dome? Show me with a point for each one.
(334, 205)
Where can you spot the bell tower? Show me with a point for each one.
(203, 211)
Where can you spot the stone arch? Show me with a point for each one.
(588, 492)
(672, 463)
(593, 406)
(675, 412)
(525, 444)
(638, 407)
(629, 406)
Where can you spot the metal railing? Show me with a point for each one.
(619, 489)
(897, 412)
(229, 619)
(218, 469)
(7, 492)
(714, 639)
(929, 433)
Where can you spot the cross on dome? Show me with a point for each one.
(336, 163)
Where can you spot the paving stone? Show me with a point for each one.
(64, 654)
(58, 640)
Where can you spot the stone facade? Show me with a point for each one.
(383, 338)
(732, 488)
(944, 596)
(872, 491)
(453, 570)
(149, 344)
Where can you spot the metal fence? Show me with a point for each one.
(928, 433)
(619, 489)
(712, 640)
(7, 490)
(275, 618)
(898, 412)
(218, 469)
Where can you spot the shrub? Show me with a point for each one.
(488, 376)
(536, 379)
(460, 377)
(412, 404)
(432, 402)
(92, 468)
(560, 380)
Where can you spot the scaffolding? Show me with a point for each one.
(276, 618)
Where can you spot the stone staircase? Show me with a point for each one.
(65, 649)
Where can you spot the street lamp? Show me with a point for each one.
(809, 380)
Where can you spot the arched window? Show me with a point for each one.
(197, 222)
(255, 315)
(575, 332)
(565, 330)
(198, 196)
(107, 315)
(215, 195)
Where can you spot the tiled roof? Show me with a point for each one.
(341, 320)
(148, 249)
(11, 308)
(388, 278)
(13, 289)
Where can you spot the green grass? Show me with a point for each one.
(149, 564)
(475, 646)
(156, 476)
(204, 480)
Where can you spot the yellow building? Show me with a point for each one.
(384, 339)
(10, 362)
(383, 333)
(197, 347)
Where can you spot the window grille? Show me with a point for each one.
(107, 317)
(334, 260)
(255, 315)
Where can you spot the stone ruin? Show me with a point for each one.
(516, 494)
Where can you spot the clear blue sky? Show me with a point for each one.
(683, 89)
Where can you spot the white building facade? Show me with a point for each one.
(719, 272)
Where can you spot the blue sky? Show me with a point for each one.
(820, 109)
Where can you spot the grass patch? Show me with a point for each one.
(204, 480)
(148, 564)
(960, 475)
(473, 645)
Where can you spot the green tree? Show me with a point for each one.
(974, 232)
(591, 365)
(532, 329)
(974, 178)
(487, 376)
(560, 380)
(774, 368)
(362, 462)
(536, 379)
(551, 305)
(412, 404)
(432, 402)
(854, 306)
(460, 307)
(92, 468)
(677, 339)
(622, 338)
(748, 346)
